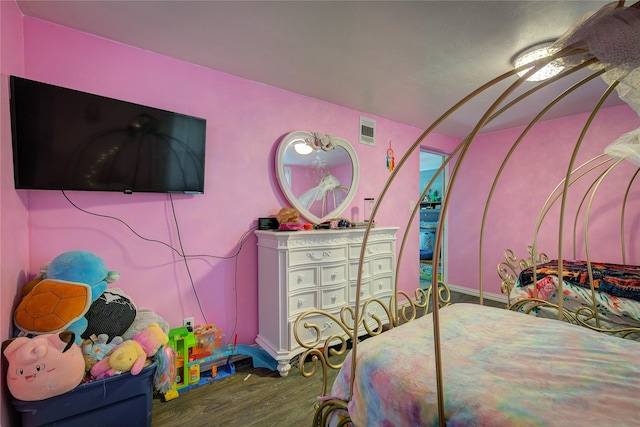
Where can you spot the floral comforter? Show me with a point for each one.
(614, 279)
(613, 282)
(501, 368)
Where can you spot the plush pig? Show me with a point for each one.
(44, 366)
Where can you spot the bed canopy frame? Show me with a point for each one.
(608, 44)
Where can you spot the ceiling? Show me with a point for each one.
(408, 61)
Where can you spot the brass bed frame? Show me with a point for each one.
(402, 308)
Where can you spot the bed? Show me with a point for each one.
(484, 380)
(559, 354)
(613, 306)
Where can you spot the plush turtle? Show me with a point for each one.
(71, 283)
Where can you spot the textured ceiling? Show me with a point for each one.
(408, 61)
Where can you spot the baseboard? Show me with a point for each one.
(476, 293)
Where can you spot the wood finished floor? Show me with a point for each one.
(252, 397)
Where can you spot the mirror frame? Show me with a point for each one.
(295, 203)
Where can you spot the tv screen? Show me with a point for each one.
(64, 139)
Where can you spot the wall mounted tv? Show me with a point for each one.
(64, 139)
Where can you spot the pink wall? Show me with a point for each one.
(537, 166)
(244, 122)
(14, 232)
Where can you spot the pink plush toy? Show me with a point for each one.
(42, 367)
(132, 354)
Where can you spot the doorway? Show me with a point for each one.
(430, 218)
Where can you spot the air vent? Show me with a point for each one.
(367, 131)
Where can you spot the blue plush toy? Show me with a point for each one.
(59, 301)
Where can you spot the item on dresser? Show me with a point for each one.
(317, 269)
(268, 223)
(287, 215)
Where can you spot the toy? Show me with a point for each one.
(131, 355)
(72, 282)
(52, 306)
(287, 215)
(89, 362)
(112, 313)
(144, 318)
(42, 367)
(208, 339)
(165, 374)
(99, 347)
(127, 357)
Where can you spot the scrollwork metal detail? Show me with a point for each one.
(337, 331)
(510, 268)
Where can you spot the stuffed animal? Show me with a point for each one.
(127, 357)
(99, 347)
(44, 366)
(144, 318)
(60, 300)
(131, 355)
(112, 314)
(287, 215)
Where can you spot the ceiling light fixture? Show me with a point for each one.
(534, 53)
(302, 147)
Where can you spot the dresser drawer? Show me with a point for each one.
(333, 274)
(372, 249)
(303, 277)
(382, 285)
(365, 291)
(302, 301)
(333, 297)
(317, 255)
(381, 265)
(326, 325)
(353, 269)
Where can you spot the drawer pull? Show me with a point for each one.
(312, 256)
(380, 285)
(300, 278)
(327, 325)
(300, 302)
(333, 276)
(334, 297)
(380, 266)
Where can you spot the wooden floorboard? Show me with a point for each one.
(250, 397)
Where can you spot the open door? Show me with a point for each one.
(430, 216)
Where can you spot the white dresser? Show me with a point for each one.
(302, 270)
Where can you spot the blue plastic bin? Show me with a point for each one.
(119, 401)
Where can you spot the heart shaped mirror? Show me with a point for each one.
(317, 173)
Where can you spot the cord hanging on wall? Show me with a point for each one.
(391, 159)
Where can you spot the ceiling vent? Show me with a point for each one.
(367, 131)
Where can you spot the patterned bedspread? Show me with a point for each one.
(615, 279)
(501, 368)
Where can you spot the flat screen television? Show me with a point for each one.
(65, 139)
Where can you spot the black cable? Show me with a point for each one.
(184, 258)
(245, 236)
